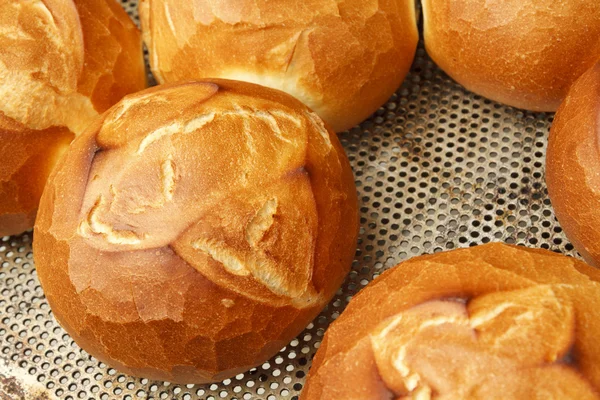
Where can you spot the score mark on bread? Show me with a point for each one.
(176, 128)
(94, 225)
(168, 178)
(425, 348)
(262, 269)
(261, 222)
(251, 249)
(197, 123)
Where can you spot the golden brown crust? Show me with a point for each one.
(573, 162)
(65, 62)
(113, 57)
(32, 155)
(40, 70)
(206, 225)
(492, 321)
(343, 59)
(519, 52)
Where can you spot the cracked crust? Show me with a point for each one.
(67, 62)
(492, 321)
(572, 164)
(522, 53)
(224, 228)
(342, 58)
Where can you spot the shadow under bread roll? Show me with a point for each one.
(343, 59)
(489, 322)
(573, 165)
(62, 63)
(195, 229)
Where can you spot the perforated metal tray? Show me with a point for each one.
(436, 168)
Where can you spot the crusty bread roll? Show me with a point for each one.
(62, 63)
(342, 59)
(488, 322)
(573, 165)
(524, 53)
(195, 229)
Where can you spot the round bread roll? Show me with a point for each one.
(573, 165)
(342, 59)
(488, 322)
(524, 53)
(195, 229)
(63, 62)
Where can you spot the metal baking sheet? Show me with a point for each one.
(436, 168)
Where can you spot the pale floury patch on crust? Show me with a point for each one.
(288, 84)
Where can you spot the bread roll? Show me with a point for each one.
(524, 53)
(206, 224)
(62, 63)
(488, 322)
(342, 59)
(573, 165)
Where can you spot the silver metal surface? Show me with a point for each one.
(436, 168)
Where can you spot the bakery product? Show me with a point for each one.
(573, 162)
(206, 224)
(488, 322)
(342, 59)
(524, 53)
(63, 62)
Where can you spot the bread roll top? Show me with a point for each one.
(66, 61)
(492, 321)
(342, 59)
(218, 196)
(524, 53)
